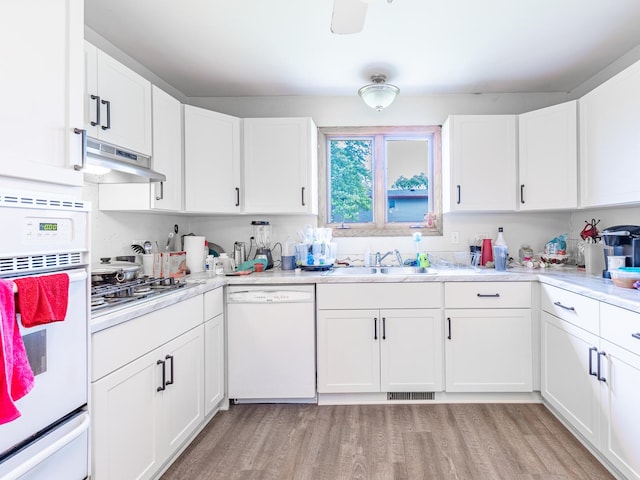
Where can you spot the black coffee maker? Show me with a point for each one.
(621, 240)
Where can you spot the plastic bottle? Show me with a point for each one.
(500, 241)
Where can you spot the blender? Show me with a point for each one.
(262, 236)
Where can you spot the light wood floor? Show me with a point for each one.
(375, 442)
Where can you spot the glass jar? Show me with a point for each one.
(525, 253)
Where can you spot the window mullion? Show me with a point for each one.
(380, 193)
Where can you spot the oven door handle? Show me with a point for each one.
(46, 452)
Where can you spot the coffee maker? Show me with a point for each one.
(621, 240)
(262, 237)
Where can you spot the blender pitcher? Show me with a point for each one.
(262, 237)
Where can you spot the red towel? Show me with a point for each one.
(43, 299)
(16, 376)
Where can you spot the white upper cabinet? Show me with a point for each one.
(167, 159)
(548, 158)
(212, 162)
(117, 102)
(609, 141)
(41, 51)
(479, 163)
(280, 165)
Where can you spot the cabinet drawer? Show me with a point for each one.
(620, 326)
(487, 295)
(213, 303)
(116, 346)
(572, 307)
(379, 295)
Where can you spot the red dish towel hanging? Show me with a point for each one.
(43, 299)
(16, 376)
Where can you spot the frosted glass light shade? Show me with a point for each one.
(378, 95)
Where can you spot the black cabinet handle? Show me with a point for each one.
(375, 328)
(558, 304)
(488, 295)
(449, 324)
(237, 196)
(522, 193)
(170, 357)
(636, 335)
(83, 153)
(97, 99)
(108, 104)
(164, 376)
(458, 201)
(591, 372)
(161, 196)
(599, 376)
(384, 328)
(302, 191)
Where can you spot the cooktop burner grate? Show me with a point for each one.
(107, 295)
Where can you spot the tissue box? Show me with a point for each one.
(174, 264)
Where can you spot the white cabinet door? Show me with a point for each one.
(569, 374)
(167, 151)
(126, 415)
(609, 141)
(479, 163)
(123, 106)
(214, 366)
(548, 158)
(41, 51)
(212, 161)
(348, 351)
(488, 350)
(183, 399)
(280, 165)
(411, 350)
(167, 159)
(620, 400)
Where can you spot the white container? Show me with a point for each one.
(593, 258)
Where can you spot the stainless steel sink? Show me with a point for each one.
(405, 271)
(379, 271)
(352, 271)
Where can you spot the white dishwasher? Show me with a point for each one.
(271, 343)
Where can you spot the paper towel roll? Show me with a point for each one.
(194, 246)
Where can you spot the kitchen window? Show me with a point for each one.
(377, 181)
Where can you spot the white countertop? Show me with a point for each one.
(569, 278)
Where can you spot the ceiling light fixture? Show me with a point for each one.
(378, 94)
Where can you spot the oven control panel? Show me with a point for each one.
(47, 229)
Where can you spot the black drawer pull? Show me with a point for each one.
(458, 201)
(384, 328)
(600, 377)
(97, 99)
(170, 382)
(488, 295)
(375, 328)
(558, 304)
(636, 335)
(449, 324)
(591, 372)
(164, 376)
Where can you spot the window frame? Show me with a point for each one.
(380, 227)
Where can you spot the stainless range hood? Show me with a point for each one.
(117, 165)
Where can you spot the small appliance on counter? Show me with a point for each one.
(621, 240)
(262, 237)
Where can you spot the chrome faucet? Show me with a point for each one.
(380, 257)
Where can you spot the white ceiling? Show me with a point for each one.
(285, 47)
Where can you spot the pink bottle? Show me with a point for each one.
(487, 252)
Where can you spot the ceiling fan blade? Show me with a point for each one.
(348, 16)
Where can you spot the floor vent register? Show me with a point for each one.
(411, 395)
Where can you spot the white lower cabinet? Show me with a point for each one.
(488, 350)
(488, 337)
(214, 354)
(569, 360)
(146, 402)
(379, 349)
(591, 373)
